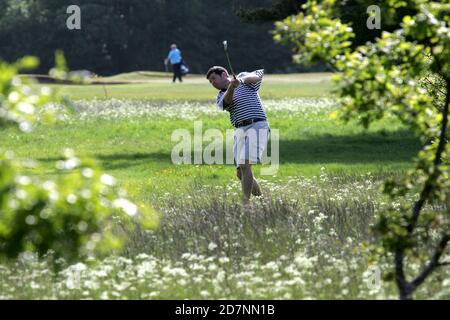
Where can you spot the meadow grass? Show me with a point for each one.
(302, 239)
(136, 148)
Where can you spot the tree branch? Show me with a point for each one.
(400, 278)
(434, 85)
(406, 288)
(434, 261)
(437, 161)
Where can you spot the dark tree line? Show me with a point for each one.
(127, 35)
(353, 12)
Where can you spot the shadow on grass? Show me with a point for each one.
(400, 146)
(379, 147)
(117, 161)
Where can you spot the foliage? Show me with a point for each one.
(389, 77)
(316, 37)
(18, 102)
(74, 216)
(279, 9)
(350, 12)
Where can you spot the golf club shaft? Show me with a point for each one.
(229, 64)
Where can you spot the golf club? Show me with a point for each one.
(225, 47)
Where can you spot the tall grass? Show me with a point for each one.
(272, 225)
(301, 241)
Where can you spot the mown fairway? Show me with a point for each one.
(156, 86)
(301, 240)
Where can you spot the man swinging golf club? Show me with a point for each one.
(239, 96)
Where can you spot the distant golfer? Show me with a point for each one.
(175, 60)
(239, 96)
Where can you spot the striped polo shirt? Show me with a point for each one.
(246, 102)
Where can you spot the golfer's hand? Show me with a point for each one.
(234, 84)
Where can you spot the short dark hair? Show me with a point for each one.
(217, 70)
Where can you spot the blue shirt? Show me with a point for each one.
(174, 56)
(246, 102)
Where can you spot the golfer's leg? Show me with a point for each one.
(246, 181)
(256, 190)
(179, 73)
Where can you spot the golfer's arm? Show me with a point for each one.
(228, 97)
(251, 79)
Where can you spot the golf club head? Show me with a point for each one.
(225, 44)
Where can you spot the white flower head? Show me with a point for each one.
(26, 108)
(108, 180)
(127, 206)
(212, 246)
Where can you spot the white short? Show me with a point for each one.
(250, 142)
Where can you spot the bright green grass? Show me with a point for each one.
(137, 150)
